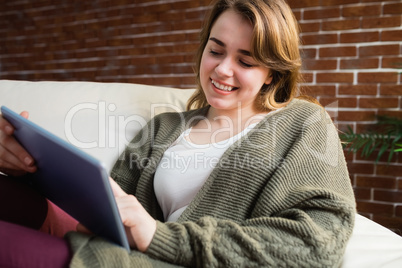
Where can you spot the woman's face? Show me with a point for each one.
(229, 75)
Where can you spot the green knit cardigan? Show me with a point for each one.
(280, 197)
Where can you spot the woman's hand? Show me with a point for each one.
(140, 226)
(14, 159)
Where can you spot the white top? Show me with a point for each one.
(184, 168)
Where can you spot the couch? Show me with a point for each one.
(100, 118)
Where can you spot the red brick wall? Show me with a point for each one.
(145, 42)
(351, 48)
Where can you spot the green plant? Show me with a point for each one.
(388, 139)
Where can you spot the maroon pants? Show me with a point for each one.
(31, 228)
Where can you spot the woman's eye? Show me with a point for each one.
(214, 53)
(246, 64)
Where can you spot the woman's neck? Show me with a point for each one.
(221, 125)
(237, 119)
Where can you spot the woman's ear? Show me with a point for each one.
(269, 79)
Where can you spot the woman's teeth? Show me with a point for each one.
(222, 87)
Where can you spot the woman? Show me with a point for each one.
(265, 185)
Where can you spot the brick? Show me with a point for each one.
(307, 77)
(322, 13)
(347, 51)
(348, 155)
(314, 39)
(317, 90)
(357, 90)
(360, 168)
(188, 25)
(308, 53)
(378, 102)
(312, 64)
(196, 14)
(382, 22)
(310, 27)
(159, 27)
(376, 182)
(157, 7)
(398, 211)
(356, 116)
(170, 16)
(303, 3)
(190, 37)
(188, 47)
(338, 2)
(185, 4)
(182, 69)
(394, 8)
(167, 81)
(336, 77)
(341, 102)
(362, 193)
(343, 24)
(115, 42)
(392, 62)
(360, 64)
(161, 49)
(374, 77)
(391, 90)
(389, 170)
(367, 51)
(388, 196)
(361, 10)
(362, 37)
(376, 208)
(169, 59)
(393, 35)
(297, 14)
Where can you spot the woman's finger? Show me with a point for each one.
(12, 155)
(117, 191)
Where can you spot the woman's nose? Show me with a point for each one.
(225, 67)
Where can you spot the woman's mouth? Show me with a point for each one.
(223, 87)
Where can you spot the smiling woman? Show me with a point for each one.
(249, 176)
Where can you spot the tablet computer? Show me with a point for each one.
(73, 180)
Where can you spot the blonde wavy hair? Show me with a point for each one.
(275, 45)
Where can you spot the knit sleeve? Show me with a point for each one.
(128, 167)
(302, 216)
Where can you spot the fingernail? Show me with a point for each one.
(28, 161)
(8, 129)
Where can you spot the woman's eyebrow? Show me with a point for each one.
(220, 43)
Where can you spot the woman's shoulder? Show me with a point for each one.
(296, 115)
(299, 108)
